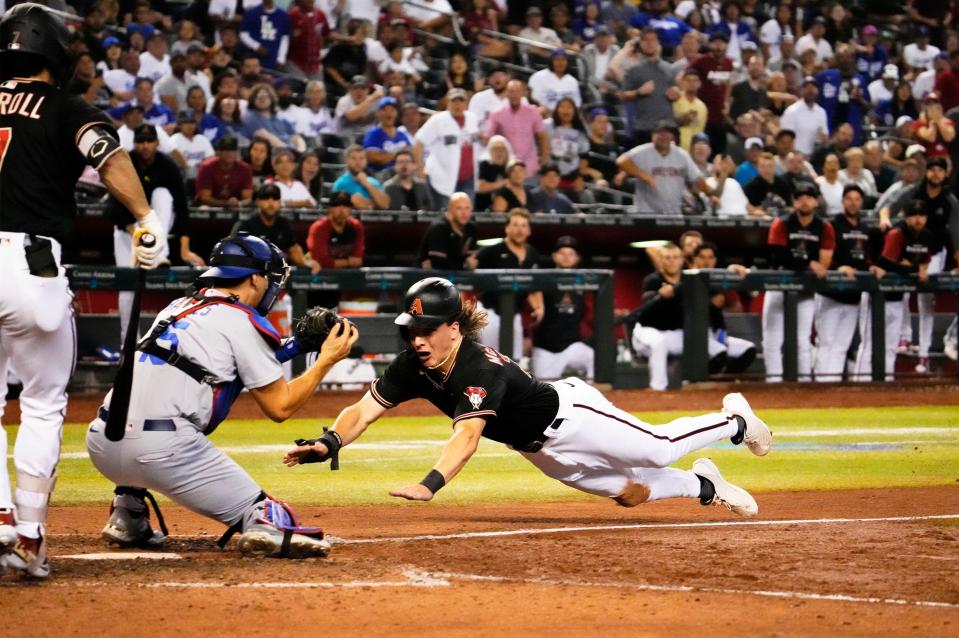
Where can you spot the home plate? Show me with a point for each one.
(124, 556)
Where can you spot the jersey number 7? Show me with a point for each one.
(6, 134)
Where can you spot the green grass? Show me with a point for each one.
(839, 456)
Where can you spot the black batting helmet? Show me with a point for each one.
(428, 303)
(29, 30)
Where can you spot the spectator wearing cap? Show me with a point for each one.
(871, 56)
(736, 29)
(337, 240)
(110, 58)
(669, 28)
(224, 180)
(772, 30)
(750, 94)
(559, 339)
(689, 111)
(94, 32)
(270, 224)
(448, 138)
(843, 93)
(715, 71)
(356, 111)
(815, 40)
(746, 52)
(261, 120)
(365, 191)
(933, 129)
(295, 194)
(131, 119)
(172, 88)
(749, 168)
(919, 55)
(384, 140)
(309, 29)
(807, 118)
(265, 30)
(154, 112)
(617, 14)
(155, 61)
(883, 88)
(405, 190)
(910, 172)
(346, 59)
(535, 31)
(925, 82)
(902, 104)
(522, 125)
(548, 86)
(586, 25)
(768, 194)
(947, 83)
(663, 171)
(196, 69)
(194, 147)
(547, 198)
(597, 55)
(648, 89)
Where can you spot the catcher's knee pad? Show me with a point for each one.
(32, 496)
(634, 494)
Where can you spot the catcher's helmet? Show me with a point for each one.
(30, 30)
(430, 302)
(241, 255)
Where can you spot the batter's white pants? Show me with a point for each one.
(38, 338)
(773, 325)
(550, 365)
(162, 202)
(657, 345)
(490, 335)
(905, 332)
(862, 369)
(598, 448)
(836, 324)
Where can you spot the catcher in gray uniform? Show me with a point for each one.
(202, 351)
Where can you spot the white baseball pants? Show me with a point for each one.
(599, 449)
(657, 345)
(926, 303)
(773, 325)
(835, 328)
(862, 370)
(550, 365)
(490, 335)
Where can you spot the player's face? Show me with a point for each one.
(852, 203)
(566, 257)
(518, 230)
(935, 175)
(434, 346)
(460, 210)
(147, 150)
(806, 204)
(705, 259)
(916, 222)
(338, 214)
(672, 261)
(268, 206)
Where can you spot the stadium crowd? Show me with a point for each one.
(814, 114)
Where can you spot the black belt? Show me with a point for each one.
(536, 444)
(149, 425)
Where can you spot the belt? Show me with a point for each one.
(536, 444)
(149, 425)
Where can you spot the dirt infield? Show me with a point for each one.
(706, 396)
(667, 568)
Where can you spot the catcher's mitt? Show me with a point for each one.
(312, 328)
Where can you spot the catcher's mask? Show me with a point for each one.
(241, 255)
(30, 31)
(428, 304)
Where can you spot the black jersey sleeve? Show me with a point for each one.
(78, 116)
(482, 398)
(396, 384)
(433, 246)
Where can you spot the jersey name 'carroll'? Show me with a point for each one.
(481, 384)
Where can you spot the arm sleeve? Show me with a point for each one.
(892, 252)
(828, 239)
(256, 362)
(359, 246)
(319, 244)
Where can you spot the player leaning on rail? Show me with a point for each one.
(565, 428)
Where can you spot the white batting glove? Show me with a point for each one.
(149, 257)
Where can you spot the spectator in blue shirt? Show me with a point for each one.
(154, 112)
(669, 28)
(384, 140)
(261, 120)
(871, 57)
(749, 169)
(265, 30)
(843, 93)
(365, 192)
(736, 29)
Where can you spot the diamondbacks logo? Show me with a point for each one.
(476, 396)
(416, 308)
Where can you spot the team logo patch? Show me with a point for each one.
(416, 308)
(476, 396)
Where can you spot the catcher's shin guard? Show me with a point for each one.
(129, 524)
(270, 529)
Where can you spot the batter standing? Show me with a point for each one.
(47, 137)
(566, 428)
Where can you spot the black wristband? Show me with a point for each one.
(332, 441)
(434, 481)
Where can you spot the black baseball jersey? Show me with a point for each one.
(903, 244)
(445, 248)
(280, 233)
(852, 249)
(662, 313)
(162, 172)
(40, 128)
(942, 210)
(481, 384)
(500, 256)
(562, 320)
(794, 245)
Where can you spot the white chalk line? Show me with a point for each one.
(122, 556)
(690, 588)
(611, 528)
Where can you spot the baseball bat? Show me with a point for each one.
(123, 381)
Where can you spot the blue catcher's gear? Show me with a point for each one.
(241, 255)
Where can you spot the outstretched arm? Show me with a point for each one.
(461, 446)
(349, 425)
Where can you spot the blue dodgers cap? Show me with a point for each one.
(559, 53)
(388, 101)
(111, 41)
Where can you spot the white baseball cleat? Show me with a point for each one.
(758, 437)
(29, 556)
(735, 499)
(264, 541)
(127, 528)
